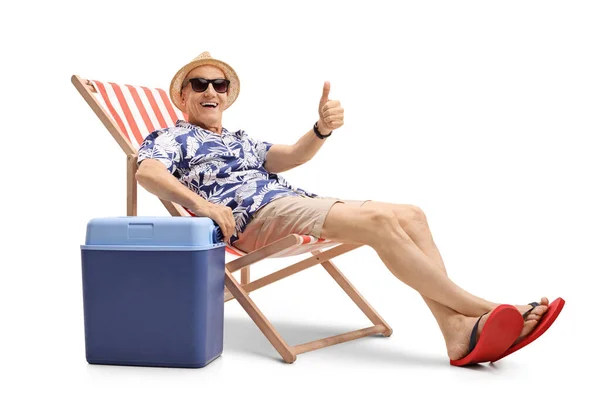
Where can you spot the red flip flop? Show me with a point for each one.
(501, 329)
(547, 320)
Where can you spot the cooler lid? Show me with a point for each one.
(153, 232)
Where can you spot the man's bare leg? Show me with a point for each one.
(414, 222)
(417, 241)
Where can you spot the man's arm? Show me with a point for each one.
(281, 157)
(153, 176)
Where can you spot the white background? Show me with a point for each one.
(484, 114)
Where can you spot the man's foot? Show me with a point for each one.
(458, 333)
(532, 318)
(489, 339)
(534, 325)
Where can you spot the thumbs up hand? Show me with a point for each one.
(331, 113)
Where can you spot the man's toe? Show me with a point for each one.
(537, 313)
(533, 317)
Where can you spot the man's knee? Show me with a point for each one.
(411, 217)
(380, 218)
(381, 225)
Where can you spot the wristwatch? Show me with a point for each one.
(316, 130)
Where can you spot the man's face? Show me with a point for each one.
(200, 107)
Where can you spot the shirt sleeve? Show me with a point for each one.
(162, 146)
(261, 148)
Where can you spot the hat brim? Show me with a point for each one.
(230, 75)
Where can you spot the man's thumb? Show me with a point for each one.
(326, 88)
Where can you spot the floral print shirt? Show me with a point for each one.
(226, 169)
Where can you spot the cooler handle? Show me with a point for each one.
(217, 234)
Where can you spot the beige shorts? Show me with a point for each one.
(287, 215)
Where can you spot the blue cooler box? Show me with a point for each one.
(153, 291)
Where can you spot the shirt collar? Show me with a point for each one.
(184, 124)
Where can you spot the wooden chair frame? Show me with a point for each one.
(241, 290)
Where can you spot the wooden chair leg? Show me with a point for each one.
(131, 185)
(351, 291)
(259, 319)
(245, 275)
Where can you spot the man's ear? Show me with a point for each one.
(183, 99)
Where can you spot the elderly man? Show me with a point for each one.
(233, 179)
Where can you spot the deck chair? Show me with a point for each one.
(132, 112)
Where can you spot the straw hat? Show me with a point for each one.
(204, 59)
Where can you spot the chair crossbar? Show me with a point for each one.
(337, 339)
(294, 268)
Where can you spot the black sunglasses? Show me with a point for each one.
(201, 84)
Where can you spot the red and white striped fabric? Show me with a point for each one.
(304, 244)
(138, 111)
